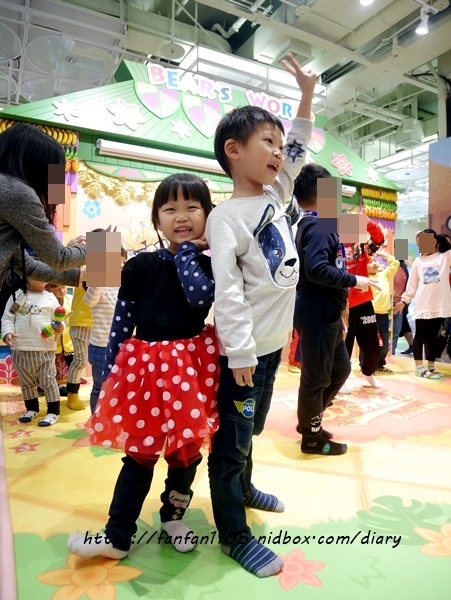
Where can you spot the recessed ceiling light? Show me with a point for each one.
(366, 2)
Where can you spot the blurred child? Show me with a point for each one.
(102, 301)
(33, 355)
(81, 323)
(384, 276)
(362, 324)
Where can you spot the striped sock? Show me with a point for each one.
(263, 501)
(255, 558)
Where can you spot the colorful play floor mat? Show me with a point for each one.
(373, 524)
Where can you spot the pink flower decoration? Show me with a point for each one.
(296, 569)
(342, 164)
(7, 372)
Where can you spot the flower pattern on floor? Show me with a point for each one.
(91, 576)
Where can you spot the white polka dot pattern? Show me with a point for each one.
(159, 395)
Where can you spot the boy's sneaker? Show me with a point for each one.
(384, 370)
(294, 368)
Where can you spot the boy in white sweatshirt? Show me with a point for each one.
(33, 356)
(255, 266)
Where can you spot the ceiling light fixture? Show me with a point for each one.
(153, 155)
(423, 28)
(366, 2)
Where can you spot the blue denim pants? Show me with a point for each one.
(397, 326)
(242, 414)
(96, 358)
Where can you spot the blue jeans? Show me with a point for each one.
(397, 326)
(242, 414)
(96, 358)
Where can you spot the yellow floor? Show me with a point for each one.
(339, 533)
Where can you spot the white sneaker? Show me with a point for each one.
(372, 381)
(345, 389)
(28, 416)
(49, 419)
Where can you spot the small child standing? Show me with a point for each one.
(81, 323)
(255, 266)
(160, 387)
(102, 301)
(33, 355)
(384, 276)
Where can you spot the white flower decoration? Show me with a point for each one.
(65, 109)
(181, 128)
(372, 174)
(126, 114)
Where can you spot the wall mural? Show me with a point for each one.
(123, 204)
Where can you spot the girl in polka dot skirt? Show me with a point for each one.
(159, 389)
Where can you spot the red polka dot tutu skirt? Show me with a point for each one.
(160, 395)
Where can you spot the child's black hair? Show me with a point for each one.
(192, 187)
(239, 124)
(306, 184)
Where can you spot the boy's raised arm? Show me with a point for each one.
(306, 80)
(298, 138)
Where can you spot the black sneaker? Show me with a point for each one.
(408, 351)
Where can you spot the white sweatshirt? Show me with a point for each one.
(255, 262)
(429, 285)
(28, 327)
(102, 300)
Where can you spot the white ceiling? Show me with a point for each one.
(377, 70)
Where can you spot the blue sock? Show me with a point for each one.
(264, 501)
(255, 558)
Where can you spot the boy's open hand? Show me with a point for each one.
(243, 376)
(306, 78)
